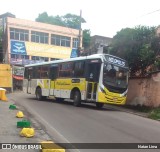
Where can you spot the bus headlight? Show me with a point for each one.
(124, 94)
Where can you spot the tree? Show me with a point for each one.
(68, 20)
(44, 18)
(72, 21)
(136, 46)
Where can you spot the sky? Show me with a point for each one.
(103, 17)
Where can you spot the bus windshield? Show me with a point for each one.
(115, 78)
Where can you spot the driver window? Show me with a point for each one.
(111, 71)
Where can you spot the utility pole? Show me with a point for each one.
(80, 22)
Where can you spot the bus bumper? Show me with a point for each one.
(112, 98)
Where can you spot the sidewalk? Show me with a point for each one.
(9, 133)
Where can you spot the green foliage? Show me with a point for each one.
(137, 46)
(68, 20)
(55, 20)
(155, 114)
(72, 21)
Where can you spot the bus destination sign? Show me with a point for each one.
(116, 61)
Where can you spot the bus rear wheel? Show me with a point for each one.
(99, 105)
(77, 98)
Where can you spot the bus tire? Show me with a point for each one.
(99, 105)
(39, 94)
(77, 98)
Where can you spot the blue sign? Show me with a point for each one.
(18, 48)
(74, 53)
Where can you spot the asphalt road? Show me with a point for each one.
(66, 123)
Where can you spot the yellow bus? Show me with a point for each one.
(99, 79)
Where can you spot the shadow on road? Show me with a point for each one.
(90, 106)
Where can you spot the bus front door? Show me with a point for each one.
(93, 72)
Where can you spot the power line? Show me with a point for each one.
(151, 12)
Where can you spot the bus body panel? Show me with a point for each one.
(64, 86)
(29, 86)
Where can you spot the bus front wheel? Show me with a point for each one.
(77, 98)
(99, 105)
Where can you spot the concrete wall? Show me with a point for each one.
(144, 91)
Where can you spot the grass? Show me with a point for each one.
(153, 113)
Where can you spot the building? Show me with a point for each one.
(97, 44)
(28, 42)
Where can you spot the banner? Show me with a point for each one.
(45, 50)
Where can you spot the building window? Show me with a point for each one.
(60, 40)
(15, 56)
(75, 42)
(24, 57)
(53, 59)
(19, 34)
(43, 59)
(38, 58)
(39, 37)
(35, 58)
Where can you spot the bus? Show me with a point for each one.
(99, 79)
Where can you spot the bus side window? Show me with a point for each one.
(79, 69)
(66, 69)
(44, 72)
